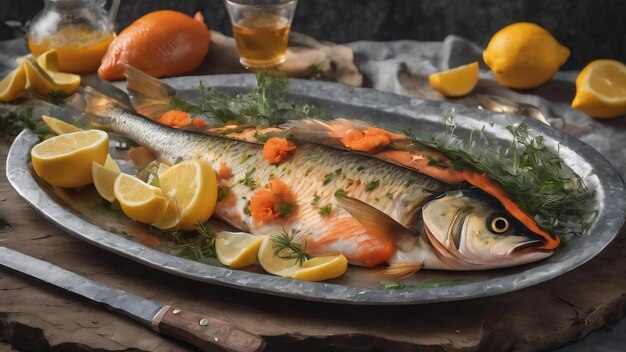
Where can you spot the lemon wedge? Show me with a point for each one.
(194, 185)
(49, 61)
(45, 82)
(68, 83)
(38, 78)
(139, 200)
(162, 168)
(104, 180)
(322, 268)
(455, 82)
(58, 126)
(601, 89)
(65, 160)
(237, 249)
(274, 264)
(13, 85)
(110, 164)
(170, 218)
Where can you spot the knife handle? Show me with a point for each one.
(208, 334)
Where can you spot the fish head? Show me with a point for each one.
(469, 230)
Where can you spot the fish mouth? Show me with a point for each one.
(528, 245)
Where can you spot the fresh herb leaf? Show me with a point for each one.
(340, 193)
(284, 208)
(329, 178)
(178, 160)
(246, 208)
(285, 248)
(248, 181)
(316, 199)
(198, 248)
(326, 209)
(370, 186)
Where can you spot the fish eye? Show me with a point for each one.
(498, 224)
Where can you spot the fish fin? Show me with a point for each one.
(378, 223)
(149, 96)
(396, 271)
(99, 107)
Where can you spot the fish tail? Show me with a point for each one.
(149, 96)
(396, 271)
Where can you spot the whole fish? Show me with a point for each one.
(369, 210)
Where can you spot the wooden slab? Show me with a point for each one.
(35, 317)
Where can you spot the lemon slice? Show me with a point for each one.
(322, 268)
(237, 249)
(104, 179)
(455, 82)
(13, 85)
(170, 218)
(274, 264)
(110, 164)
(601, 89)
(58, 126)
(139, 200)
(49, 61)
(65, 160)
(194, 185)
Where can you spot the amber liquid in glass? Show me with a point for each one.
(262, 40)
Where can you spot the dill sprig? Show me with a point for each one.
(535, 177)
(267, 104)
(198, 248)
(13, 121)
(285, 248)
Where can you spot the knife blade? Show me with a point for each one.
(206, 333)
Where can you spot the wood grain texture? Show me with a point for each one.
(35, 317)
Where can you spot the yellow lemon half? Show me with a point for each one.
(65, 160)
(524, 55)
(455, 82)
(237, 249)
(194, 185)
(13, 85)
(274, 264)
(601, 89)
(139, 200)
(104, 180)
(322, 268)
(61, 127)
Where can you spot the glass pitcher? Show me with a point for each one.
(79, 30)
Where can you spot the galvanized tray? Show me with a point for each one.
(83, 214)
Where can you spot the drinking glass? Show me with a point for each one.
(261, 29)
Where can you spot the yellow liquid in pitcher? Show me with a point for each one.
(79, 48)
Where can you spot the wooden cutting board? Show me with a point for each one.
(34, 317)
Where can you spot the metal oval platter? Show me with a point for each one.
(84, 215)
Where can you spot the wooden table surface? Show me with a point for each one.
(35, 317)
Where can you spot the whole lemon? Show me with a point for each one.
(524, 55)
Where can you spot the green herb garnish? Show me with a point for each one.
(198, 248)
(370, 186)
(316, 199)
(284, 208)
(285, 248)
(326, 209)
(248, 181)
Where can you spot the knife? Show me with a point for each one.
(206, 333)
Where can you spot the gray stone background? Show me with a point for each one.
(592, 29)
